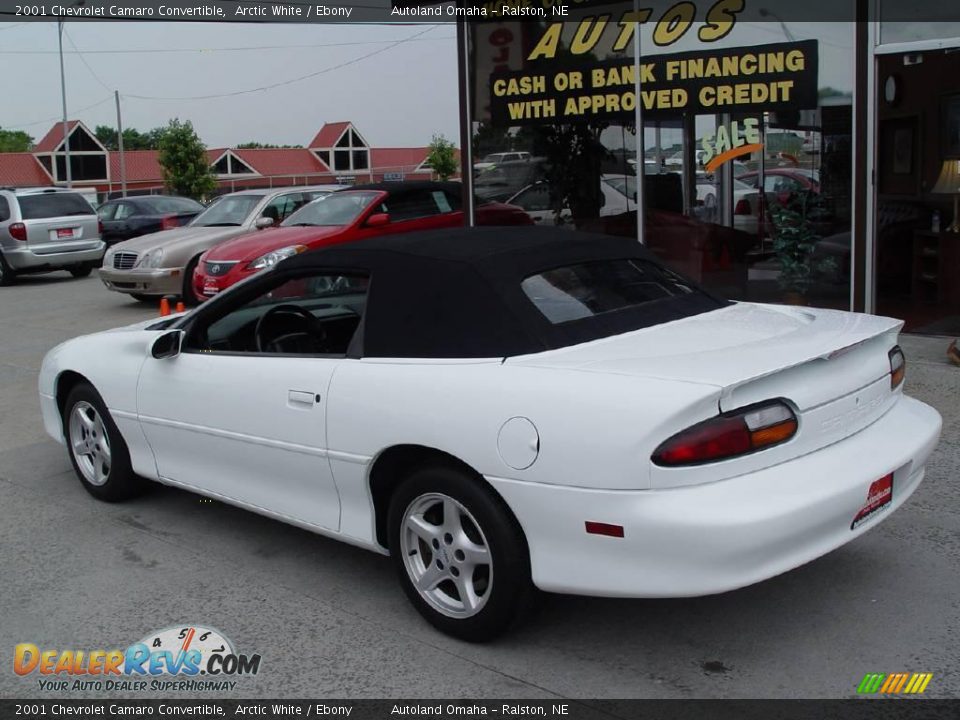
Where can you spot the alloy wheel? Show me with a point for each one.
(89, 443)
(446, 555)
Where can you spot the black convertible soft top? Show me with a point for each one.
(457, 293)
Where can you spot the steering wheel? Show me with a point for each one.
(312, 328)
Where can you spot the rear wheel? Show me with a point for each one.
(97, 451)
(81, 271)
(7, 276)
(189, 297)
(459, 553)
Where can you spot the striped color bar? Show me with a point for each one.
(894, 683)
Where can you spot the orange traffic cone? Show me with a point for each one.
(181, 307)
(164, 307)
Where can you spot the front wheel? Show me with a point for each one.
(97, 451)
(190, 298)
(460, 555)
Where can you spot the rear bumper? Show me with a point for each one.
(712, 538)
(60, 255)
(159, 281)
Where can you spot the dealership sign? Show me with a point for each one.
(780, 76)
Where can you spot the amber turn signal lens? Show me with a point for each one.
(898, 367)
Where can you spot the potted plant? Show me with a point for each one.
(795, 240)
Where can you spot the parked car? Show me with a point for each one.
(45, 229)
(361, 212)
(162, 263)
(494, 159)
(413, 395)
(745, 204)
(141, 215)
(618, 195)
(507, 179)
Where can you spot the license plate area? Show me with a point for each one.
(210, 287)
(63, 234)
(879, 498)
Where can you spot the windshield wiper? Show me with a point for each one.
(302, 225)
(223, 224)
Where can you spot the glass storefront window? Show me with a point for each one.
(741, 173)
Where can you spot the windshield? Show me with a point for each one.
(623, 184)
(171, 205)
(227, 210)
(333, 210)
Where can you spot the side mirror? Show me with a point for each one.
(167, 345)
(263, 223)
(378, 220)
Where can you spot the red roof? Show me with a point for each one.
(329, 134)
(141, 166)
(22, 170)
(397, 159)
(282, 161)
(53, 138)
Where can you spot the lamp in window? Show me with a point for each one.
(949, 184)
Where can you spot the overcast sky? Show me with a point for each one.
(398, 97)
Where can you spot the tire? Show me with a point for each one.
(7, 276)
(81, 271)
(457, 518)
(97, 451)
(189, 297)
(145, 298)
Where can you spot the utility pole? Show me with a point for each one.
(63, 97)
(123, 159)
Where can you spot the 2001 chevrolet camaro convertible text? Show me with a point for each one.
(506, 409)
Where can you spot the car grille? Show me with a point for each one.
(124, 260)
(219, 269)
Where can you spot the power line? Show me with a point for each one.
(58, 117)
(291, 81)
(257, 48)
(86, 64)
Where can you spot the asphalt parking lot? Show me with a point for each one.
(330, 620)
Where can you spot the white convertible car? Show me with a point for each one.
(506, 409)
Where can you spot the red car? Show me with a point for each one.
(361, 212)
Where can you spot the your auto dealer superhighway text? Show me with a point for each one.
(197, 11)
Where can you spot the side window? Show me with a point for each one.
(108, 212)
(4, 210)
(312, 314)
(280, 207)
(412, 205)
(124, 210)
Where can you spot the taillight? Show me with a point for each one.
(100, 227)
(898, 367)
(743, 207)
(18, 231)
(730, 435)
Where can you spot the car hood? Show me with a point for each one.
(252, 246)
(728, 347)
(188, 238)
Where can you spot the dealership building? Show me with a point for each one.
(808, 160)
(338, 153)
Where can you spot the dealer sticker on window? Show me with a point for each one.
(879, 498)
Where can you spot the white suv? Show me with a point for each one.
(44, 229)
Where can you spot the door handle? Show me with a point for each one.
(301, 398)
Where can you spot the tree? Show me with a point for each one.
(183, 159)
(15, 141)
(133, 139)
(442, 157)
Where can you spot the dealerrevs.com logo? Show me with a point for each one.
(190, 657)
